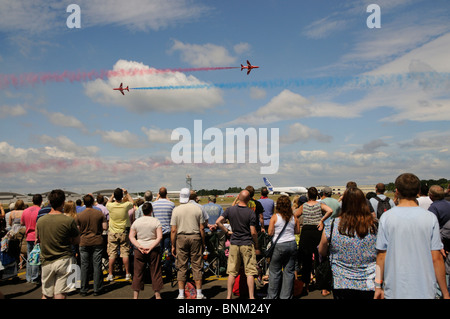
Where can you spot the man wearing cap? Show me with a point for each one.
(188, 241)
(331, 202)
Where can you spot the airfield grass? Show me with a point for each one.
(225, 201)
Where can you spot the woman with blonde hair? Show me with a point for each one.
(353, 252)
(282, 263)
(70, 209)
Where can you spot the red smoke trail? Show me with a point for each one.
(7, 80)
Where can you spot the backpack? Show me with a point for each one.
(383, 205)
(190, 291)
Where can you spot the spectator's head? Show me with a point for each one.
(312, 193)
(37, 199)
(100, 199)
(70, 208)
(79, 202)
(163, 192)
(88, 200)
(436, 192)
(251, 190)
(380, 188)
(192, 195)
(147, 208)
(351, 184)
(118, 194)
(19, 205)
(327, 191)
(407, 186)
(212, 198)
(355, 214)
(370, 195)
(284, 207)
(184, 195)
(138, 202)
(264, 191)
(57, 199)
(424, 189)
(244, 196)
(148, 196)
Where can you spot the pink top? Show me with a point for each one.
(29, 216)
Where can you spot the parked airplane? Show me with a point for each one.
(294, 190)
(121, 88)
(249, 67)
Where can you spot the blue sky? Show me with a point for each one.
(350, 102)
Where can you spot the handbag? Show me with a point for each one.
(35, 254)
(324, 275)
(271, 245)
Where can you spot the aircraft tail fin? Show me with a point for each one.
(242, 67)
(268, 184)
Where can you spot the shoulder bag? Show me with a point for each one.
(271, 245)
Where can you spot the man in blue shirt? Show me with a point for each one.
(268, 205)
(409, 261)
(213, 210)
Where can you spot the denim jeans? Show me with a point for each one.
(282, 271)
(32, 272)
(91, 255)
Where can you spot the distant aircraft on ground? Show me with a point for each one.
(294, 190)
(249, 67)
(120, 88)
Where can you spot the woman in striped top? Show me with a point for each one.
(314, 214)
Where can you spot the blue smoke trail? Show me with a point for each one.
(434, 79)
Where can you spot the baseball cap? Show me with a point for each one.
(184, 195)
(327, 190)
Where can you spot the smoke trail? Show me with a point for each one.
(7, 80)
(434, 79)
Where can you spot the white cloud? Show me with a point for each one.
(41, 16)
(205, 55)
(242, 48)
(157, 135)
(121, 139)
(63, 120)
(322, 28)
(16, 110)
(136, 74)
(65, 144)
(299, 132)
(371, 147)
(289, 105)
(257, 93)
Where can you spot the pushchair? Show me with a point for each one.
(11, 251)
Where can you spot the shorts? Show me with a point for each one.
(189, 248)
(244, 255)
(116, 241)
(56, 277)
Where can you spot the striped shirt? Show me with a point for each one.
(312, 214)
(162, 210)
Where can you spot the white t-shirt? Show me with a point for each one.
(145, 228)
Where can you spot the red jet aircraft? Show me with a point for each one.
(120, 88)
(249, 67)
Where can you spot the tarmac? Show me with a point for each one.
(214, 287)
